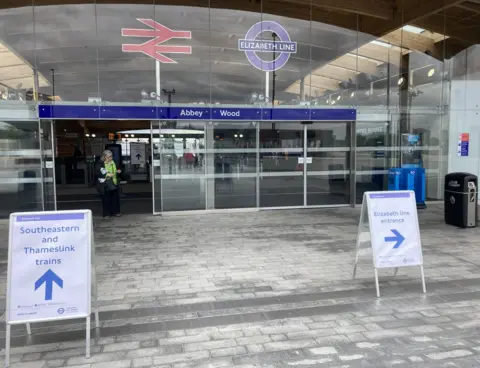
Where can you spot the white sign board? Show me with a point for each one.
(49, 266)
(393, 231)
(49, 269)
(138, 153)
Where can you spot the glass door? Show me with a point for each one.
(231, 165)
(47, 156)
(281, 167)
(178, 166)
(328, 164)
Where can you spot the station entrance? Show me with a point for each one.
(179, 166)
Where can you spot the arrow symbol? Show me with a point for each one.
(398, 238)
(138, 156)
(48, 278)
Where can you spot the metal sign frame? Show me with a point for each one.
(364, 239)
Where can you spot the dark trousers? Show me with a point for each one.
(111, 203)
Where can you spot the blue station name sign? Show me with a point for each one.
(105, 112)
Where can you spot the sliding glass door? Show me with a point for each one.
(233, 165)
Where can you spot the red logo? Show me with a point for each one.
(155, 48)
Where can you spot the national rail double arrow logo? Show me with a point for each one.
(155, 47)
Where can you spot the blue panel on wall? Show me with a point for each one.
(192, 113)
(189, 113)
(229, 113)
(288, 114)
(162, 113)
(128, 112)
(68, 112)
(334, 114)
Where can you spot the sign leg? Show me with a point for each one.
(7, 346)
(29, 329)
(377, 284)
(423, 280)
(87, 350)
(97, 319)
(396, 272)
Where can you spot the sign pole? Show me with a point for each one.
(157, 78)
(7, 345)
(87, 348)
(423, 280)
(94, 278)
(377, 283)
(359, 232)
(267, 85)
(29, 329)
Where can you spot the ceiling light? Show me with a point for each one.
(241, 135)
(235, 135)
(413, 29)
(339, 97)
(353, 94)
(126, 135)
(400, 81)
(431, 72)
(173, 135)
(87, 135)
(93, 135)
(333, 102)
(161, 135)
(132, 135)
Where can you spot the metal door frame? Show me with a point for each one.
(44, 163)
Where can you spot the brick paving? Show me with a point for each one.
(264, 289)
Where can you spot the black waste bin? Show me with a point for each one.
(461, 197)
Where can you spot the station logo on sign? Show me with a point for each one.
(254, 44)
(155, 47)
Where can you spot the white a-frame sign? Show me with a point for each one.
(389, 228)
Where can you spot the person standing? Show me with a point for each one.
(107, 185)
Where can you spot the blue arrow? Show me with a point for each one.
(398, 238)
(48, 279)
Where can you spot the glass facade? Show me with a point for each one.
(412, 81)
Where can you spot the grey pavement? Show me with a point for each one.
(264, 289)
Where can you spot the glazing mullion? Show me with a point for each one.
(152, 167)
(257, 143)
(305, 154)
(353, 163)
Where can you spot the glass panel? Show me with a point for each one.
(47, 138)
(17, 60)
(125, 75)
(372, 157)
(281, 164)
(234, 80)
(328, 163)
(20, 167)
(420, 145)
(233, 169)
(182, 168)
(66, 51)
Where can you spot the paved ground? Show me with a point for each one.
(267, 289)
